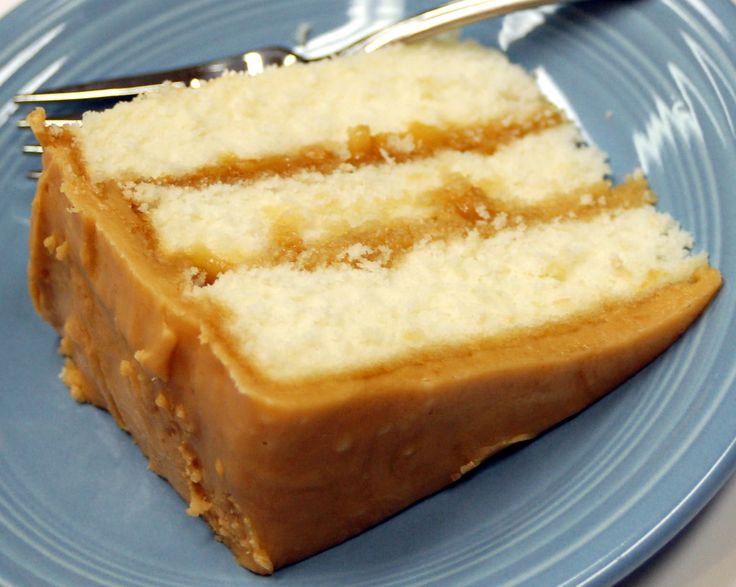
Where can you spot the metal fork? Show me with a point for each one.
(446, 17)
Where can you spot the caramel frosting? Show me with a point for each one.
(308, 322)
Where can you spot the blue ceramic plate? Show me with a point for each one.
(653, 82)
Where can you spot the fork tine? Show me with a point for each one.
(101, 94)
(33, 149)
(61, 120)
(33, 175)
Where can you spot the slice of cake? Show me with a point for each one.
(318, 295)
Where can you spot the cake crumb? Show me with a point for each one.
(61, 251)
(482, 211)
(72, 378)
(161, 401)
(49, 244)
(357, 252)
(500, 221)
(198, 502)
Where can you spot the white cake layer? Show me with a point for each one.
(298, 324)
(233, 222)
(173, 132)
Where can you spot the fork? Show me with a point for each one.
(445, 17)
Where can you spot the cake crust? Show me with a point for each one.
(281, 471)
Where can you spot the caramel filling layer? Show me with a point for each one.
(365, 148)
(459, 207)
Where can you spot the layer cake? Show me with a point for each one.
(320, 294)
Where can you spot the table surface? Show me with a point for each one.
(702, 555)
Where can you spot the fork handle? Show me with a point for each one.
(446, 17)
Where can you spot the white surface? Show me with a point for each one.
(703, 555)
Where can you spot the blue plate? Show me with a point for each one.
(652, 82)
